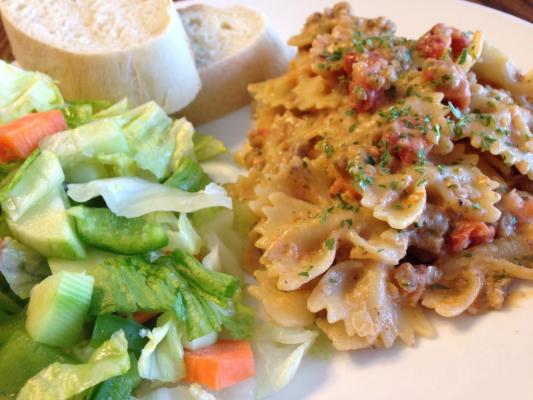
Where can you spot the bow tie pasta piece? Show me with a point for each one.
(397, 199)
(465, 190)
(287, 309)
(355, 292)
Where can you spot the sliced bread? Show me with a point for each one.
(101, 49)
(233, 47)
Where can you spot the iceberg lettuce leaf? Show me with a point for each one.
(162, 357)
(21, 266)
(22, 92)
(132, 197)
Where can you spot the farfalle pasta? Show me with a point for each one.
(390, 177)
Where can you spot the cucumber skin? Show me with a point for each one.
(21, 358)
(107, 324)
(101, 228)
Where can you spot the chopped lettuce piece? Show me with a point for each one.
(132, 197)
(21, 266)
(184, 132)
(203, 300)
(102, 229)
(6, 169)
(61, 381)
(162, 357)
(224, 242)
(215, 283)
(189, 176)
(206, 147)
(181, 234)
(130, 284)
(22, 92)
(222, 169)
(118, 387)
(81, 146)
(114, 110)
(81, 112)
(21, 358)
(150, 136)
(281, 350)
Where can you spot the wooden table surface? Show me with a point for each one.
(520, 8)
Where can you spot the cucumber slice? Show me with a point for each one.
(105, 230)
(21, 358)
(57, 309)
(48, 229)
(33, 183)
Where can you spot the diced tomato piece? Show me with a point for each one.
(466, 233)
(366, 86)
(440, 38)
(459, 42)
(450, 80)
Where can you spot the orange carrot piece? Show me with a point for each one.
(20, 137)
(141, 316)
(220, 365)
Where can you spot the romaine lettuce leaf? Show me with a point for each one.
(22, 92)
(205, 301)
(184, 132)
(162, 357)
(21, 266)
(118, 387)
(132, 197)
(62, 381)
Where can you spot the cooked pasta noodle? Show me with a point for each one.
(388, 176)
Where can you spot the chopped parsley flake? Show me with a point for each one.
(370, 160)
(441, 168)
(486, 141)
(455, 111)
(325, 214)
(346, 222)
(330, 243)
(352, 128)
(361, 178)
(462, 56)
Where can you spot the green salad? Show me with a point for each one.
(106, 214)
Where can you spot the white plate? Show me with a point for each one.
(486, 357)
